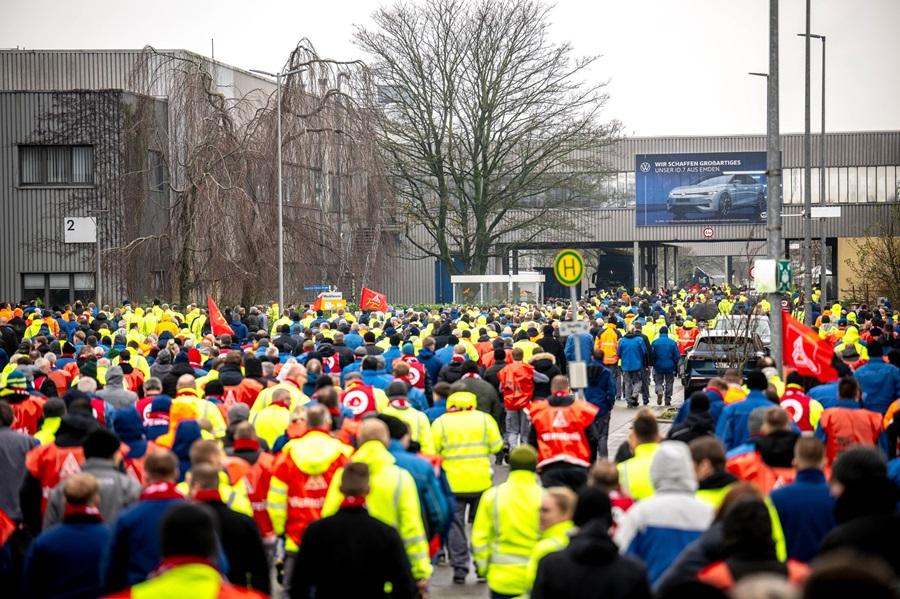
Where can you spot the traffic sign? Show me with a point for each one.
(316, 288)
(784, 304)
(573, 327)
(784, 276)
(708, 232)
(568, 266)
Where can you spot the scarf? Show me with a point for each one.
(165, 490)
(242, 444)
(207, 495)
(90, 512)
(352, 502)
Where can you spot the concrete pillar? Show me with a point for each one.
(729, 269)
(665, 281)
(674, 266)
(637, 264)
(515, 271)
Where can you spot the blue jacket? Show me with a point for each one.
(436, 510)
(632, 351)
(601, 389)
(665, 355)
(716, 405)
(416, 398)
(392, 353)
(894, 471)
(431, 362)
(826, 394)
(353, 340)
(437, 410)
(880, 383)
(240, 330)
(444, 355)
(732, 428)
(134, 551)
(355, 367)
(377, 379)
(806, 510)
(64, 561)
(585, 342)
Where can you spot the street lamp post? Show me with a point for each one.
(96, 213)
(807, 186)
(278, 76)
(823, 277)
(773, 176)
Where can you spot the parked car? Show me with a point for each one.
(738, 322)
(716, 351)
(717, 195)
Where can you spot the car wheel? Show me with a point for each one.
(724, 205)
(761, 203)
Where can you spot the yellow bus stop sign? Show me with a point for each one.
(568, 266)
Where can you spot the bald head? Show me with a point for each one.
(317, 416)
(372, 429)
(185, 381)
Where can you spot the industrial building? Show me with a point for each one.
(68, 148)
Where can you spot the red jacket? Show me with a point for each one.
(359, 399)
(51, 464)
(416, 376)
(517, 383)
(846, 427)
(560, 432)
(751, 468)
(27, 413)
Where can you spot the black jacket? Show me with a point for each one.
(547, 367)
(551, 345)
(697, 424)
(868, 522)
(170, 379)
(242, 545)
(450, 373)
(590, 567)
(345, 354)
(351, 554)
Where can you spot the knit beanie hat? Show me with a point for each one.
(523, 457)
(100, 443)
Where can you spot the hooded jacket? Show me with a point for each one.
(545, 364)
(696, 425)
(658, 528)
(590, 567)
(632, 352)
(117, 491)
(115, 393)
(880, 383)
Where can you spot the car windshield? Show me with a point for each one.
(733, 323)
(713, 181)
(720, 345)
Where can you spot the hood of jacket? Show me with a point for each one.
(699, 421)
(375, 454)
(114, 377)
(425, 354)
(315, 451)
(592, 544)
(461, 400)
(777, 448)
(230, 375)
(672, 469)
(73, 428)
(851, 336)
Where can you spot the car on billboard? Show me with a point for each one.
(719, 195)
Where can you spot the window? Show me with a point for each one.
(852, 187)
(56, 165)
(58, 289)
(880, 187)
(156, 170)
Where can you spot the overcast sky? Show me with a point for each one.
(675, 66)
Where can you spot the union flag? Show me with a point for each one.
(372, 301)
(216, 321)
(805, 352)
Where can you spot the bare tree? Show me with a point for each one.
(488, 126)
(877, 260)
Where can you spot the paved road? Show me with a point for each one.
(442, 581)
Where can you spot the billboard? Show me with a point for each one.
(717, 187)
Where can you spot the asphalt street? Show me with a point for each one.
(442, 581)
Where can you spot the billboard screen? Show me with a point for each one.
(717, 187)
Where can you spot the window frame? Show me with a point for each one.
(43, 167)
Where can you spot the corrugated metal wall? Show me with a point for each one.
(32, 231)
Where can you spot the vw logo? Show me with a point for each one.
(645, 167)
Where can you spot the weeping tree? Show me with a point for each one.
(489, 127)
(220, 149)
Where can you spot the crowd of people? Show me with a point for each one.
(164, 451)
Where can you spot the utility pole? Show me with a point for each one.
(807, 190)
(823, 272)
(773, 175)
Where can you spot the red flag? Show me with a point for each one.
(317, 305)
(372, 300)
(805, 352)
(216, 320)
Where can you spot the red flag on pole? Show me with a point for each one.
(372, 300)
(216, 321)
(805, 352)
